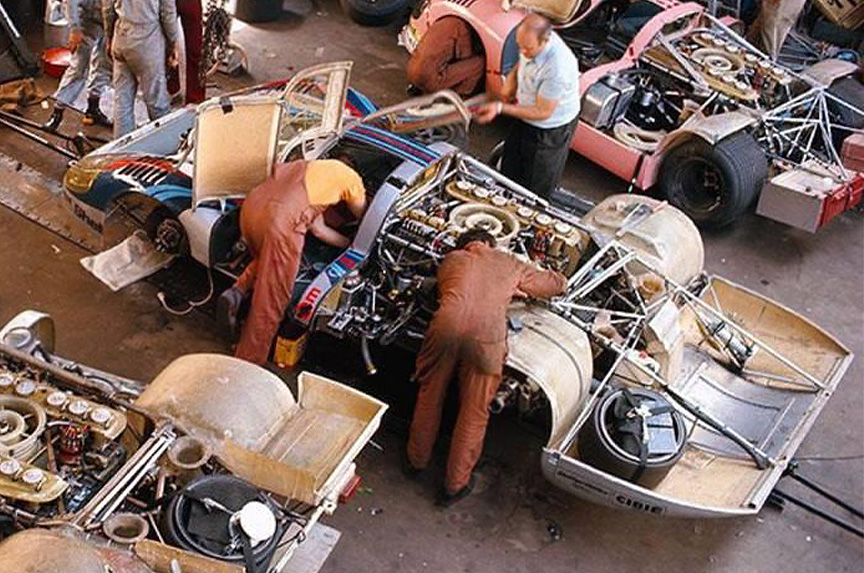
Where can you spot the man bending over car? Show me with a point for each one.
(274, 220)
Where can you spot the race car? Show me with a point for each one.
(662, 388)
(675, 99)
(215, 464)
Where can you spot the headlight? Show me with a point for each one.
(80, 175)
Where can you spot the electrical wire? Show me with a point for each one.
(192, 305)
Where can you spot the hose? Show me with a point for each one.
(371, 370)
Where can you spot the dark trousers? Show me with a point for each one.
(192, 23)
(535, 157)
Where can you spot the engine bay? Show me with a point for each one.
(77, 453)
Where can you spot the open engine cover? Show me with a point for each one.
(295, 448)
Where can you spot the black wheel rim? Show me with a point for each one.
(701, 186)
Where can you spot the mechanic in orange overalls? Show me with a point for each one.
(468, 337)
(274, 219)
(446, 58)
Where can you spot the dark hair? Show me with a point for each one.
(472, 235)
(345, 158)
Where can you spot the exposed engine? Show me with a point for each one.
(71, 457)
(57, 448)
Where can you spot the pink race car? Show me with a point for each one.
(675, 98)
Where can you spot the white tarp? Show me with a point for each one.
(134, 259)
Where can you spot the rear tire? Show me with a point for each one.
(373, 12)
(714, 185)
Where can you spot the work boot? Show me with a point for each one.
(227, 307)
(54, 121)
(94, 115)
(446, 499)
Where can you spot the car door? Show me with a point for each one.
(314, 110)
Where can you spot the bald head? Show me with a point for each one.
(538, 25)
(532, 34)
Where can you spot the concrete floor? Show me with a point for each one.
(392, 525)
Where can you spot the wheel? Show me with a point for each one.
(166, 232)
(851, 91)
(713, 185)
(373, 12)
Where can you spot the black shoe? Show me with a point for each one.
(227, 307)
(94, 115)
(446, 499)
(54, 122)
(408, 470)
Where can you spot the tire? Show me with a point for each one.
(373, 12)
(851, 91)
(714, 185)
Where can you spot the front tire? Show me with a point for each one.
(714, 184)
(373, 12)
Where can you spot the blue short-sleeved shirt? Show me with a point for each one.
(553, 74)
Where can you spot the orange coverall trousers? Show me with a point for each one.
(273, 220)
(468, 338)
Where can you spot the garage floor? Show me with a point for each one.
(514, 521)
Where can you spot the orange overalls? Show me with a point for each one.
(468, 337)
(445, 59)
(273, 220)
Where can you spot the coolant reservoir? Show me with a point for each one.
(659, 232)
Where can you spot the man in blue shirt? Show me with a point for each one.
(542, 93)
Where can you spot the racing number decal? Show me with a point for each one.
(307, 305)
(332, 273)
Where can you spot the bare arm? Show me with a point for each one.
(542, 109)
(511, 83)
(327, 234)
